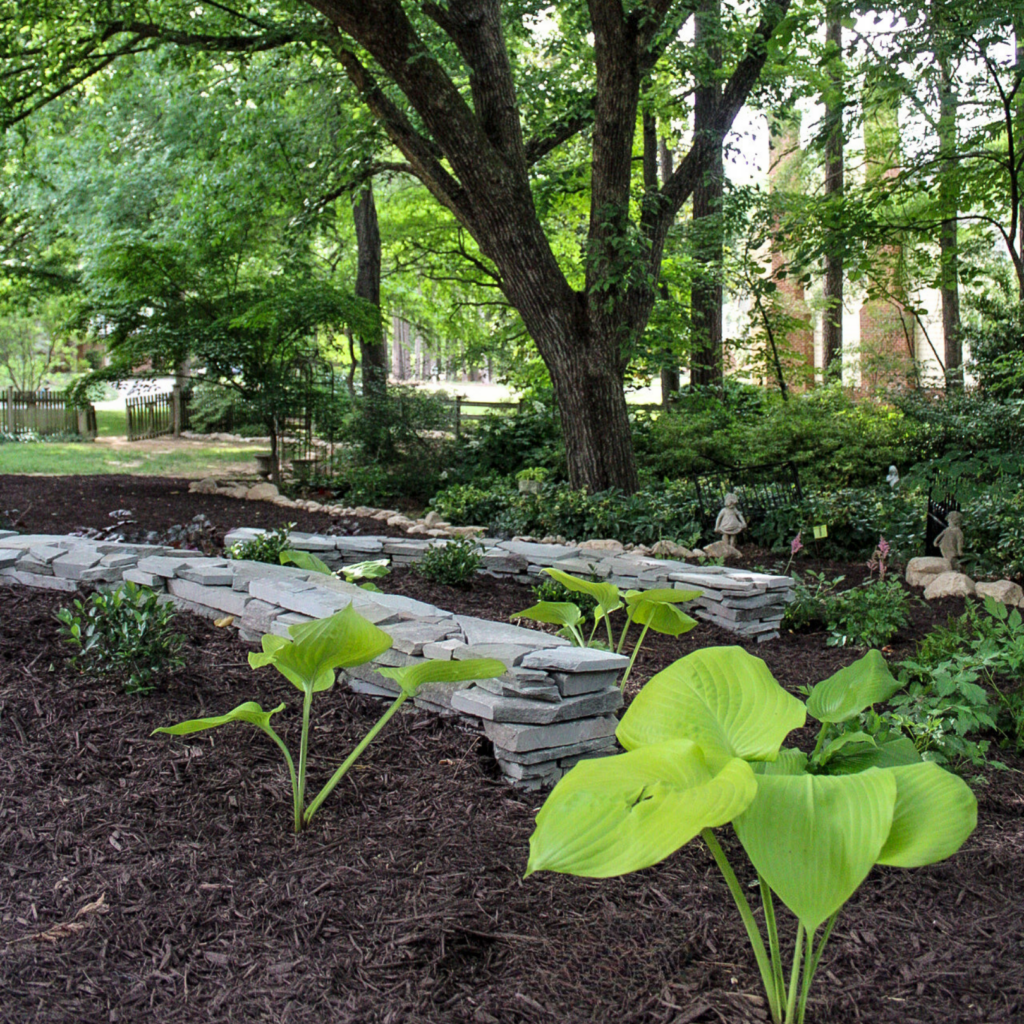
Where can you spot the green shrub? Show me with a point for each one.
(474, 505)
(215, 409)
(267, 547)
(125, 632)
(834, 441)
(451, 564)
(867, 616)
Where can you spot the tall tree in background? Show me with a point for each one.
(706, 363)
(832, 320)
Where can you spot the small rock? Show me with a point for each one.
(549, 539)
(432, 518)
(416, 530)
(467, 531)
(235, 492)
(949, 584)
(262, 492)
(670, 549)
(921, 571)
(284, 501)
(614, 546)
(720, 549)
(1003, 591)
(400, 521)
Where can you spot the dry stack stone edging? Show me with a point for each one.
(750, 604)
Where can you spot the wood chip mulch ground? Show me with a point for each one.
(154, 878)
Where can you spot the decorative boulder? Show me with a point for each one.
(262, 492)
(721, 549)
(1003, 591)
(921, 571)
(949, 584)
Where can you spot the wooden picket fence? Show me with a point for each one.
(154, 415)
(43, 413)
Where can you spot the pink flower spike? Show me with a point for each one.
(883, 547)
(796, 545)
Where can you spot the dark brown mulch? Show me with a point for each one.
(61, 504)
(405, 901)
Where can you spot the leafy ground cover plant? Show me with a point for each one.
(963, 686)
(309, 661)
(811, 592)
(125, 632)
(267, 547)
(451, 564)
(704, 748)
(650, 609)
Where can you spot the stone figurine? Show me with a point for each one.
(951, 541)
(730, 522)
(893, 477)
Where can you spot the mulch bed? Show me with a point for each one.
(405, 902)
(62, 504)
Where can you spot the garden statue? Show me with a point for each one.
(892, 478)
(951, 541)
(730, 522)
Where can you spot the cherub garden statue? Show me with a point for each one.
(730, 522)
(951, 541)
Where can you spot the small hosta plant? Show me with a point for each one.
(371, 570)
(451, 564)
(309, 661)
(125, 632)
(649, 609)
(704, 741)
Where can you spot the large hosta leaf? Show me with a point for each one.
(657, 609)
(858, 757)
(935, 813)
(605, 594)
(249, 712)
(304, 560)
(852, 689)
(411, 677)
(317, 648)
(722, 698)
(612, 815)
(814, 838)
(555, 613)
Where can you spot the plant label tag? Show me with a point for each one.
(820, 532)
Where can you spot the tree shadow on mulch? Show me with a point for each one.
(405, 901)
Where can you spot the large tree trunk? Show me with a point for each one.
(469, 151)
(373, 352)
(832, 321)
(949, 202)
(706, 289)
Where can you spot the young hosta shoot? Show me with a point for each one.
(371, 570)
(309, 661)
(649, 609)
(704, 748)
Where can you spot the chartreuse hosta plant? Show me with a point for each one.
(704, 741)
(309, 661)
(650, 609)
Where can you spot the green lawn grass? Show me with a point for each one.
(89, 459)
(112, 422)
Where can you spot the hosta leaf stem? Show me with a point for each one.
(753, 932)
(351, 759)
